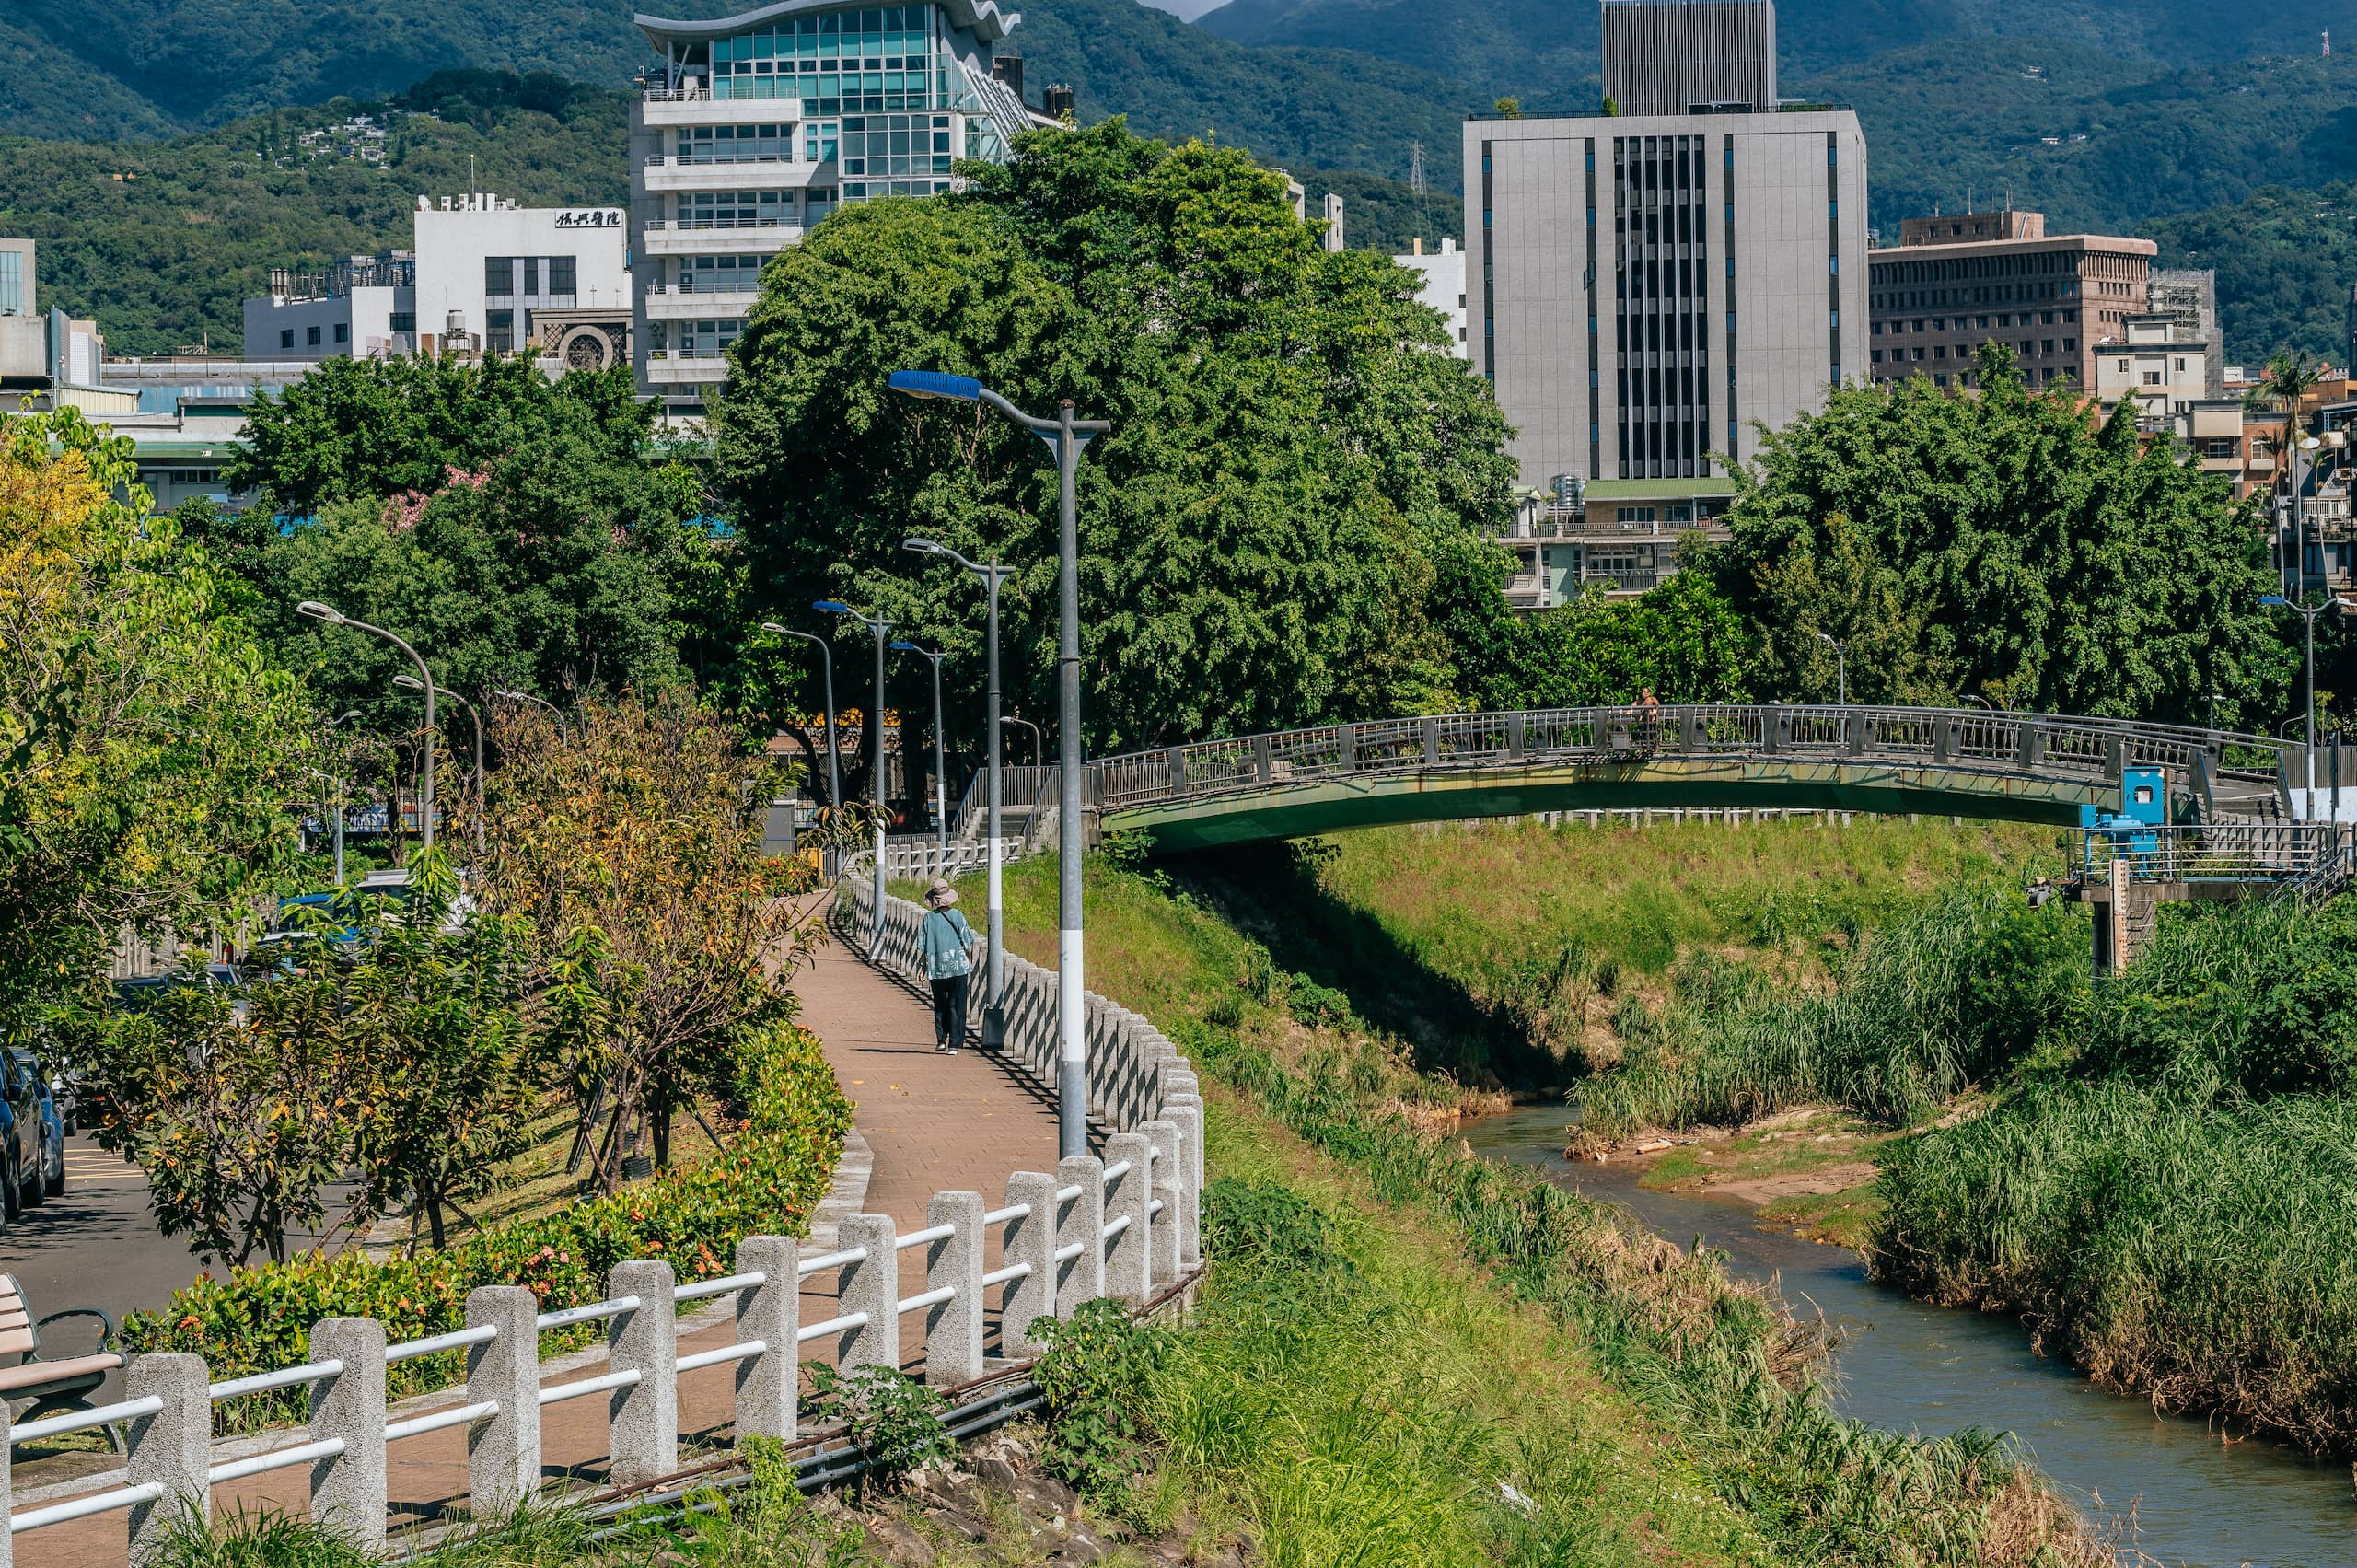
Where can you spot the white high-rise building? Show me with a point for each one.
(1444, 274)
(756, 126)
(1643, 287)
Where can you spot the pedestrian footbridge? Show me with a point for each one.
(1967, 762)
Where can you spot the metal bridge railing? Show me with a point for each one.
(2017, 745)
(2209, 851)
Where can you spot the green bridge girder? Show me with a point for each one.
(1296, 810)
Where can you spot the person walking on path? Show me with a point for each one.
(945, 938)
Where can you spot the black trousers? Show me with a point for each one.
(950, 1011)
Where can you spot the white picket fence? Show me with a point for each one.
(1124, 1224)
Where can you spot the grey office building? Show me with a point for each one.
(1689, 56)
(1644, 288)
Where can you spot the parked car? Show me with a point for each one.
(53, 1125)
(21, 1172)
(138, 995)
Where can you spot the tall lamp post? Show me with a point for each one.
(826, 666)
(1841, 665)
(1039, 747)
(995, 1007)
(338, 782)
(1064, 436)
(940, 766)
(2308, 706)
(882, 628)
(555, 711)
(313, 609)
(410, 683)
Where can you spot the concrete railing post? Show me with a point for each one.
(871, 1286)
(769, 1385)
(1162, 1260)
(1080, 1222)
(348, 1489)
(953, 1329)
(504, 1448)
(1030, 1240)
(1187, 1114)
(171, 1450)
(645, 1415)
(1127, 1274)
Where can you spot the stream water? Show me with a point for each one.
(2175, 1492)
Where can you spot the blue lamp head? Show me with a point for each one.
(935, 384)
(832, 606)
(2274, 599)
(908, 647)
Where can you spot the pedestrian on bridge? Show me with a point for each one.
(949, 964)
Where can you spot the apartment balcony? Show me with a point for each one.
(719, 237)
(668, 369)
(672, 174)
(696, 105)
(670, 302)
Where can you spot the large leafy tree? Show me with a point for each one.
(521, 532)
(1682, 640)
(1295, 469)
(147, 745)
(2010, 546)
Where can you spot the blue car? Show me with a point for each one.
(52, 1124)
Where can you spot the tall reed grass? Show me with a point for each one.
(2176, 1207)
(1947, 997)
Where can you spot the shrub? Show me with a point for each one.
(766, 1180)
(1093, 1374)
(893, 1420)
(1263, 1226)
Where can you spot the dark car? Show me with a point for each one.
(21, 1172)
(138, 995)
(53, 1125)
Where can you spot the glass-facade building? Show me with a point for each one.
(756, 126)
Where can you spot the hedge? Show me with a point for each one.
(765, 1181)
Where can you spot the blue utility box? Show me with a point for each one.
(2134, 828)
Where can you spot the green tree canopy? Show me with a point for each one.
(147, 745)
(2008, 546)
(1296, 469)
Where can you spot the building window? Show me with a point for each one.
(311, 335)
(404, 321)
(342, 332)
(2046, 345)
(12, 283)
(499, 331)
(286, 337)
(499, 276)
(2151, 377)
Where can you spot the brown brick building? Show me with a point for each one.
(1955, 283)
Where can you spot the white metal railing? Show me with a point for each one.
(698, 226)
(1125, 1226)
(2001, 744)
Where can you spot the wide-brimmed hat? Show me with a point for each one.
(940, 895)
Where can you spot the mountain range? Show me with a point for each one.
(2108, 116)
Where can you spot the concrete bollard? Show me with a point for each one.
(171, 1450)
(871, 1286)
(1080, 1222)
(1030, 1240)
(504, 1448)
(1187, 1113)
(645, 1415)
(1127, 1274)
(348, 1491)
(769, 1385)
(953, 1329)
(1161, 1261)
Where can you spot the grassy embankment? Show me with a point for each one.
(1493, 1328)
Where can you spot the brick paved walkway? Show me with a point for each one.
(930, 1123)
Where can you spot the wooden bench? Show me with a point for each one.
(62, 1385)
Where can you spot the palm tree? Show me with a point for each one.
(2290, 377)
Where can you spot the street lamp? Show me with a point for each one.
(2308, 708)
(313, 609)
(995, 1007)
(876, 778)
(338, 781)
(940, 785)
(410, 683)
(2304, 445)
(1039, 747)
(562, 732)
(1841, 663)
(1065, 435)
(827, 665)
